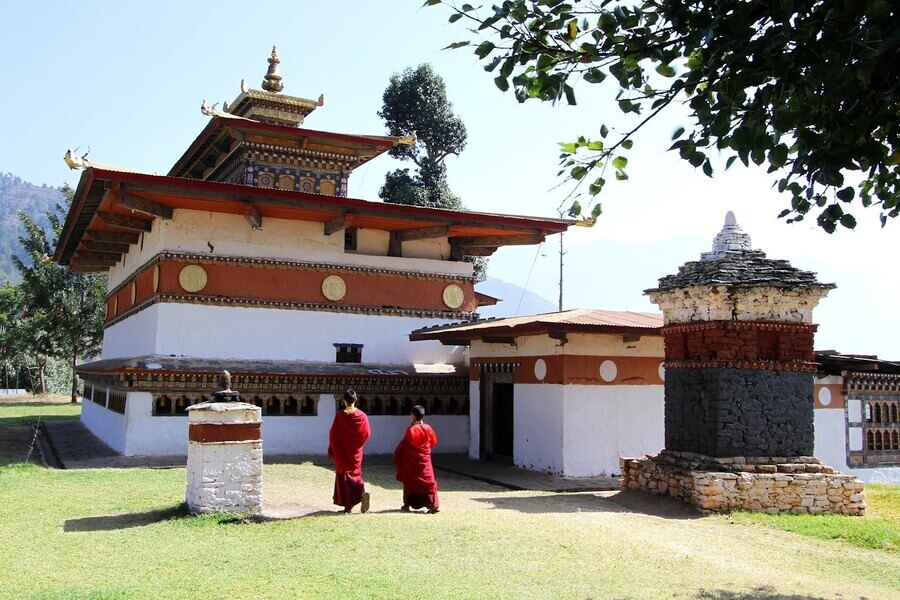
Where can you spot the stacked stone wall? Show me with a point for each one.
(796, 487)
(739, 412)
(225, 477)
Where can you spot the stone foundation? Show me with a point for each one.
(225, 459)
(797, 485)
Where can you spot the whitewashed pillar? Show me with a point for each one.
(224, 467)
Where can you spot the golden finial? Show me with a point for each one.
(272, 81)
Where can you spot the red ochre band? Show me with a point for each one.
(224, 432)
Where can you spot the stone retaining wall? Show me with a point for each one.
(787, 487)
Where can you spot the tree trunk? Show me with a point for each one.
(30, 375)
(74, 377)
(42, 368)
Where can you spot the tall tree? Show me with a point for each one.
(811, 89)
(415, 101)
(62, 311)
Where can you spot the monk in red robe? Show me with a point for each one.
(348, 435)
(413, 460)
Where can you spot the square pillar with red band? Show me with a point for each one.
(225, 458)
(739, 387)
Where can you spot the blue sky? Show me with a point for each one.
(128, 78)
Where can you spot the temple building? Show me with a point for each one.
(249, 256)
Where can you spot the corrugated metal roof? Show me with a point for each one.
(580, 319)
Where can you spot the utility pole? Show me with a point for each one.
(561, 254)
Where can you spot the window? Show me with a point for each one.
(350, 239)
(348, 353)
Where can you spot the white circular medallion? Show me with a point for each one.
(192, 278)
(662, 371)
(334, 288)
(540, 369)
(454, 296)
(608, 370)
(824, 396)
(155, 279)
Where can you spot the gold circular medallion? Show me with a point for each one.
(155, 279)
(192, 278)
(133, 292)
(454, 296)
(334, 288)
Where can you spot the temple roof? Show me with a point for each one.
(114, 207)
(580, 320)
(159, 363)
(733, 262)
(219, 136)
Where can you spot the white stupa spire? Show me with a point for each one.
(730, 239)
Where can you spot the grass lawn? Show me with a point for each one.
(27, 410)
(122, 533)
(880, 529)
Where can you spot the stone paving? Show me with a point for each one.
(77, 448)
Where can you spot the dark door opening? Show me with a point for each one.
(503, 419)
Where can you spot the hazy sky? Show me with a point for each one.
(127, 79)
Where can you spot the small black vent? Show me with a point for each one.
(348, 353)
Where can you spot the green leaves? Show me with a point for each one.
(807, 90)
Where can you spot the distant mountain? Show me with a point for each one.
(514, 300)
(17, 195)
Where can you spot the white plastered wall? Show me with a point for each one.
(538, 427)
(204, 331)
(474, 420)
(603, 423)
(109, 426)
(217, 234)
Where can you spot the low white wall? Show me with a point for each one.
(831, 449)
(267, 333)
(603, 423)
(538, 427)
(109, 426)
(167, 436)
(153, 436)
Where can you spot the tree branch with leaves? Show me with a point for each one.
(807, 89)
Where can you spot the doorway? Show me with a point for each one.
(497, 415)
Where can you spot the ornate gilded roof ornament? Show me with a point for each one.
(272, 80)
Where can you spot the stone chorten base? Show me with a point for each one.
(224, 465)
(795, 485)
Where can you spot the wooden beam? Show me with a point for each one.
(425, 233)
(559, 336)
(148, 207)
(98, 257)
(117, 237)
(336, 224)
(482, 251)
(251, 213)
(395, 247)
(113, 247)
(498, 340)
(459, 342)
(132, 223)
(500, 240)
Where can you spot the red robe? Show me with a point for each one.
(414, 469)
(349, 433)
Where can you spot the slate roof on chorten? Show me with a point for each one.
(733, 262)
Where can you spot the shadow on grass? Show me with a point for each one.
(761, 593)
(127, 520)
(587, 502)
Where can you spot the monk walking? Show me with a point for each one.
(348, 435)
(413, 460)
